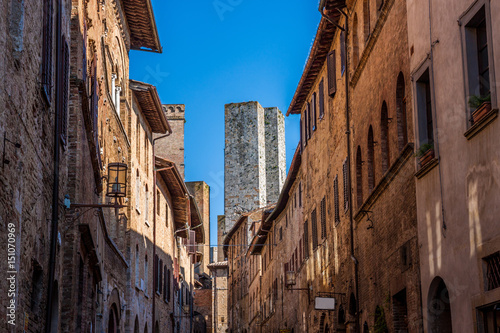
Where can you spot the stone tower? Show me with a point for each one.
(254, 158)
(172, 148)
(201, 192)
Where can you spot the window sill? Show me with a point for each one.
(481, 124)
(426, 168)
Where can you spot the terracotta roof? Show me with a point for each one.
(317, 56)
(261, 235)
(180, 197)
(151, 107)
(142, 25)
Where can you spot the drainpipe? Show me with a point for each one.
(349, 153)
(55, 188)
(154, 228)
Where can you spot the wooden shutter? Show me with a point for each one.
(310, 121)
(48, 13)
(342, 52)
(94, 107)
(314, 229)
(321, 99)
(323, 217)
(63, 89)
(301, 134)
(336, 199)
(306, 239)
(346, 185)
(332, 74)
(313, 111)
(192, 244)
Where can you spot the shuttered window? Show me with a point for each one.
(314, 229)
(332, 74)
(313, 111)
(336, 199)
(345, 171)
(306, 126)
(63, 88)
(321, 97)
(48, 13)
(323, 218)
(342, 52)
(306, 239)
(301, 134)
(309, 121)
(94, 104)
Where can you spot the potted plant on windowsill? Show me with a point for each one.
(425, 153)
(481, 106)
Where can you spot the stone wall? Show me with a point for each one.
(201, 193)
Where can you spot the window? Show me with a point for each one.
(313, 111)
(302, 136)
(401, 112)
(345, 175)
(384, 137)
(300, 194)
(332, 73)
(359, 177)
(146, 204)
(493, 271)
(355, 41)
(48, 13)
(146, 275)
(478, 57)
(342, 51)
(321, 99)
(366, 18)
(310, 120)
(306, 240)
(137, 266)
(168, 285)
(137, 190)
(336, 199)
(281, 233)
(323, 217)
(158, 201)
(167, 215)
(314, 229)
(371, 160)
(424, 109)
(63, 89)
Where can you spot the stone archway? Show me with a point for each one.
(439, 308)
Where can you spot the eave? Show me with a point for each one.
(317, 56)
(181, 202)
(142, 26)
(151, 107)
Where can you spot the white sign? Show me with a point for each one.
(324, 303)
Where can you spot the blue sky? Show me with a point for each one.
(226, 51)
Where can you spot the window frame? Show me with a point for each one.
(426, 66)
(463, 21)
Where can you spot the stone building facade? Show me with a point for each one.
(454, 52)
(254, 158)
(219, 273)
(86, 261)
(201, 193)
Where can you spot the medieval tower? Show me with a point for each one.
(254, 158)
(172, 148)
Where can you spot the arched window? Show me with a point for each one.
(384, 137)
(352, 305)
(365, 328)
(359, 177)
(54, 309)
(113, 320)
(439, 307)
(136, 325)
(146, 328)
(366, 18)
(355, 41)
(401, 112)
(371, 160)
(380, 324)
